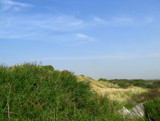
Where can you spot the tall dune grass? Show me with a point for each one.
(113, 91)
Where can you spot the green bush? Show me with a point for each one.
(152, 110)
(125, 83)
(31, 92)
(146, 96)
(102, 79)
(48, 67)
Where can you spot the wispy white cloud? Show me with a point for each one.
(114, 21)
(57, 22)
(58, 28)
(10, 4)
(54, 27)
(84, 37)
(122, 21)
(100, 20)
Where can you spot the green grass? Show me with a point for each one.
(125, 83)
(35, 92)
(152, 109)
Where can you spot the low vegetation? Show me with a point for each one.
(149, 95)
(125, 83)
(112, 90)
(36, 92)
(152, 110)
(147, 92)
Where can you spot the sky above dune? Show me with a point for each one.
(97, 38)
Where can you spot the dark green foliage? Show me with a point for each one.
(125, 83)
(152, 94)
(143, 97)
(156, 84)
(152, 110)
(102, 79)
(33, 92)
(48, 67)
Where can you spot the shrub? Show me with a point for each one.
(156, 84)
(125, 83)
(146, 96)
(102, 79)
(152, 110)
(48, 67)
(31, 92)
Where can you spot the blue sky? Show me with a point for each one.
(97, 38)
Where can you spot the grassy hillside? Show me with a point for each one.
(34, 92)
(129, 93)
(112, 90)
(125, 83)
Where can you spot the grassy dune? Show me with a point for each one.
(36, 92)
(129, 93)
(112, 91)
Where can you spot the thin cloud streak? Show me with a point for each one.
(84, 37)
(43, 28)
(64, 23)
(10, 4)
(98, 20)
(50, 23)
(122, 21)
